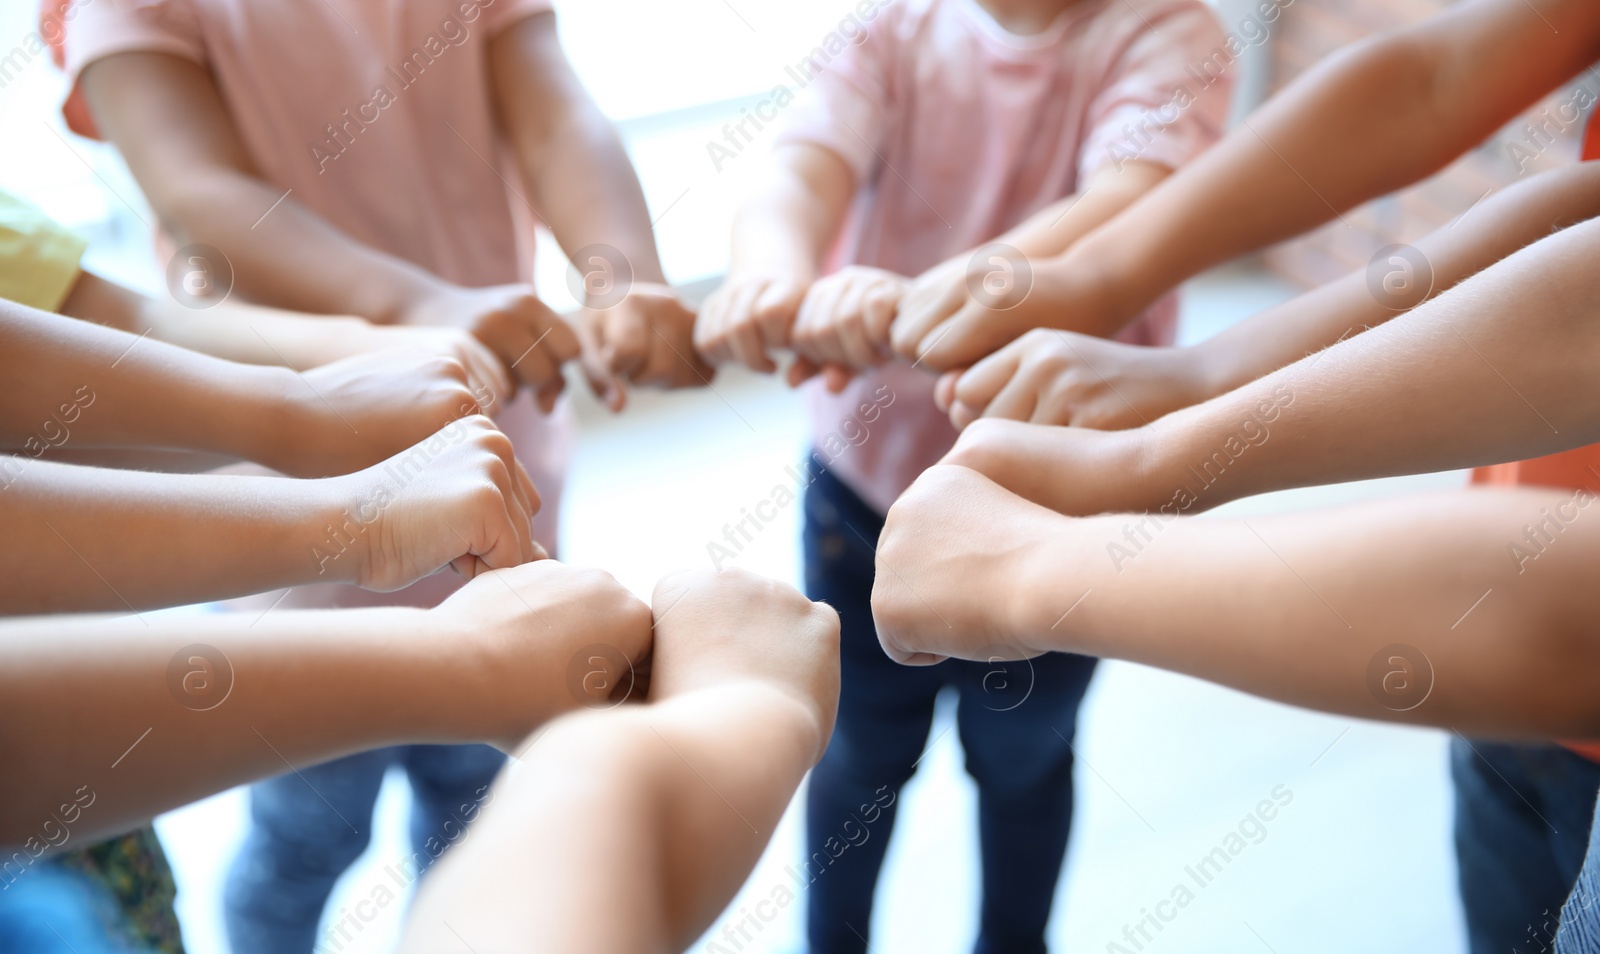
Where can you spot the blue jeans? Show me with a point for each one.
(1016, 721)
(1580, 918)
(308, 826)
(1523, 814)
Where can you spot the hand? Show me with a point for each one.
(1071, 470)
(1061, 377)
(951, 321)
(843, 325)
(458, 498)
(731, 626)
(957, 562)
(530, 339)
(647, 338)
(353, 413)
(527, 625)
(491, 382)
(746, 317)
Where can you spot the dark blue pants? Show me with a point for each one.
(1523, 814)
(1580, 918)
(308, 826)
(1016, 721)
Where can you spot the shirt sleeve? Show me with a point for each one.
(102, 28)
(1160, 103)
(847, 104)
(38, 257)
(499, 14)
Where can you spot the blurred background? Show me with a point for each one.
(1359, 860)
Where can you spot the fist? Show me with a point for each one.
(530, 339)
(746, 317)
(729, 625)
(353, 413)
(458, 499)
(955, 569)
(843, 325)
(533, 629)
(647, 338)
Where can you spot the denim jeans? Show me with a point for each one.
(1016, 722)
(1580, 917)
(1523, 814)
(308, 826)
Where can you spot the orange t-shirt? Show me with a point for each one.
(1569, 470)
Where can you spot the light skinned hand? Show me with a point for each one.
(723, 626)
(645, 339)
(1062, 377)
(490, 380)
(995, 300)
(747, 317)
(526, 625)
(458, 498)
(530, 339)
(954, 564)
(355, 412)
(843, 324)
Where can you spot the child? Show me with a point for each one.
(950, 124)
(385, 161)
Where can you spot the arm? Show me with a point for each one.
(583, 186)
(72, 381)
(230, 698)
(1499, 368)
(625, 802)
(253, 334)
(81, 538)
(1303, 608)
(941, 306)
(1053, 377)
(780, 235)
(1376, 116)
(166, 117)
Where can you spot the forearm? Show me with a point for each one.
(1296, 607)
(1500, 368)
(1057, 227)
(97, 387)
(1370, 119)
(624, 803)
(1498, 226)
(583, 184)
(232, 331)
(290, 258)
(84, 539)
(144, 715)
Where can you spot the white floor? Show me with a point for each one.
(1359, 860)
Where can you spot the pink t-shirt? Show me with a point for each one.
(379, 117)
(958, 130)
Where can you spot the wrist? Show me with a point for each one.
(270, 416)
(334, 518)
